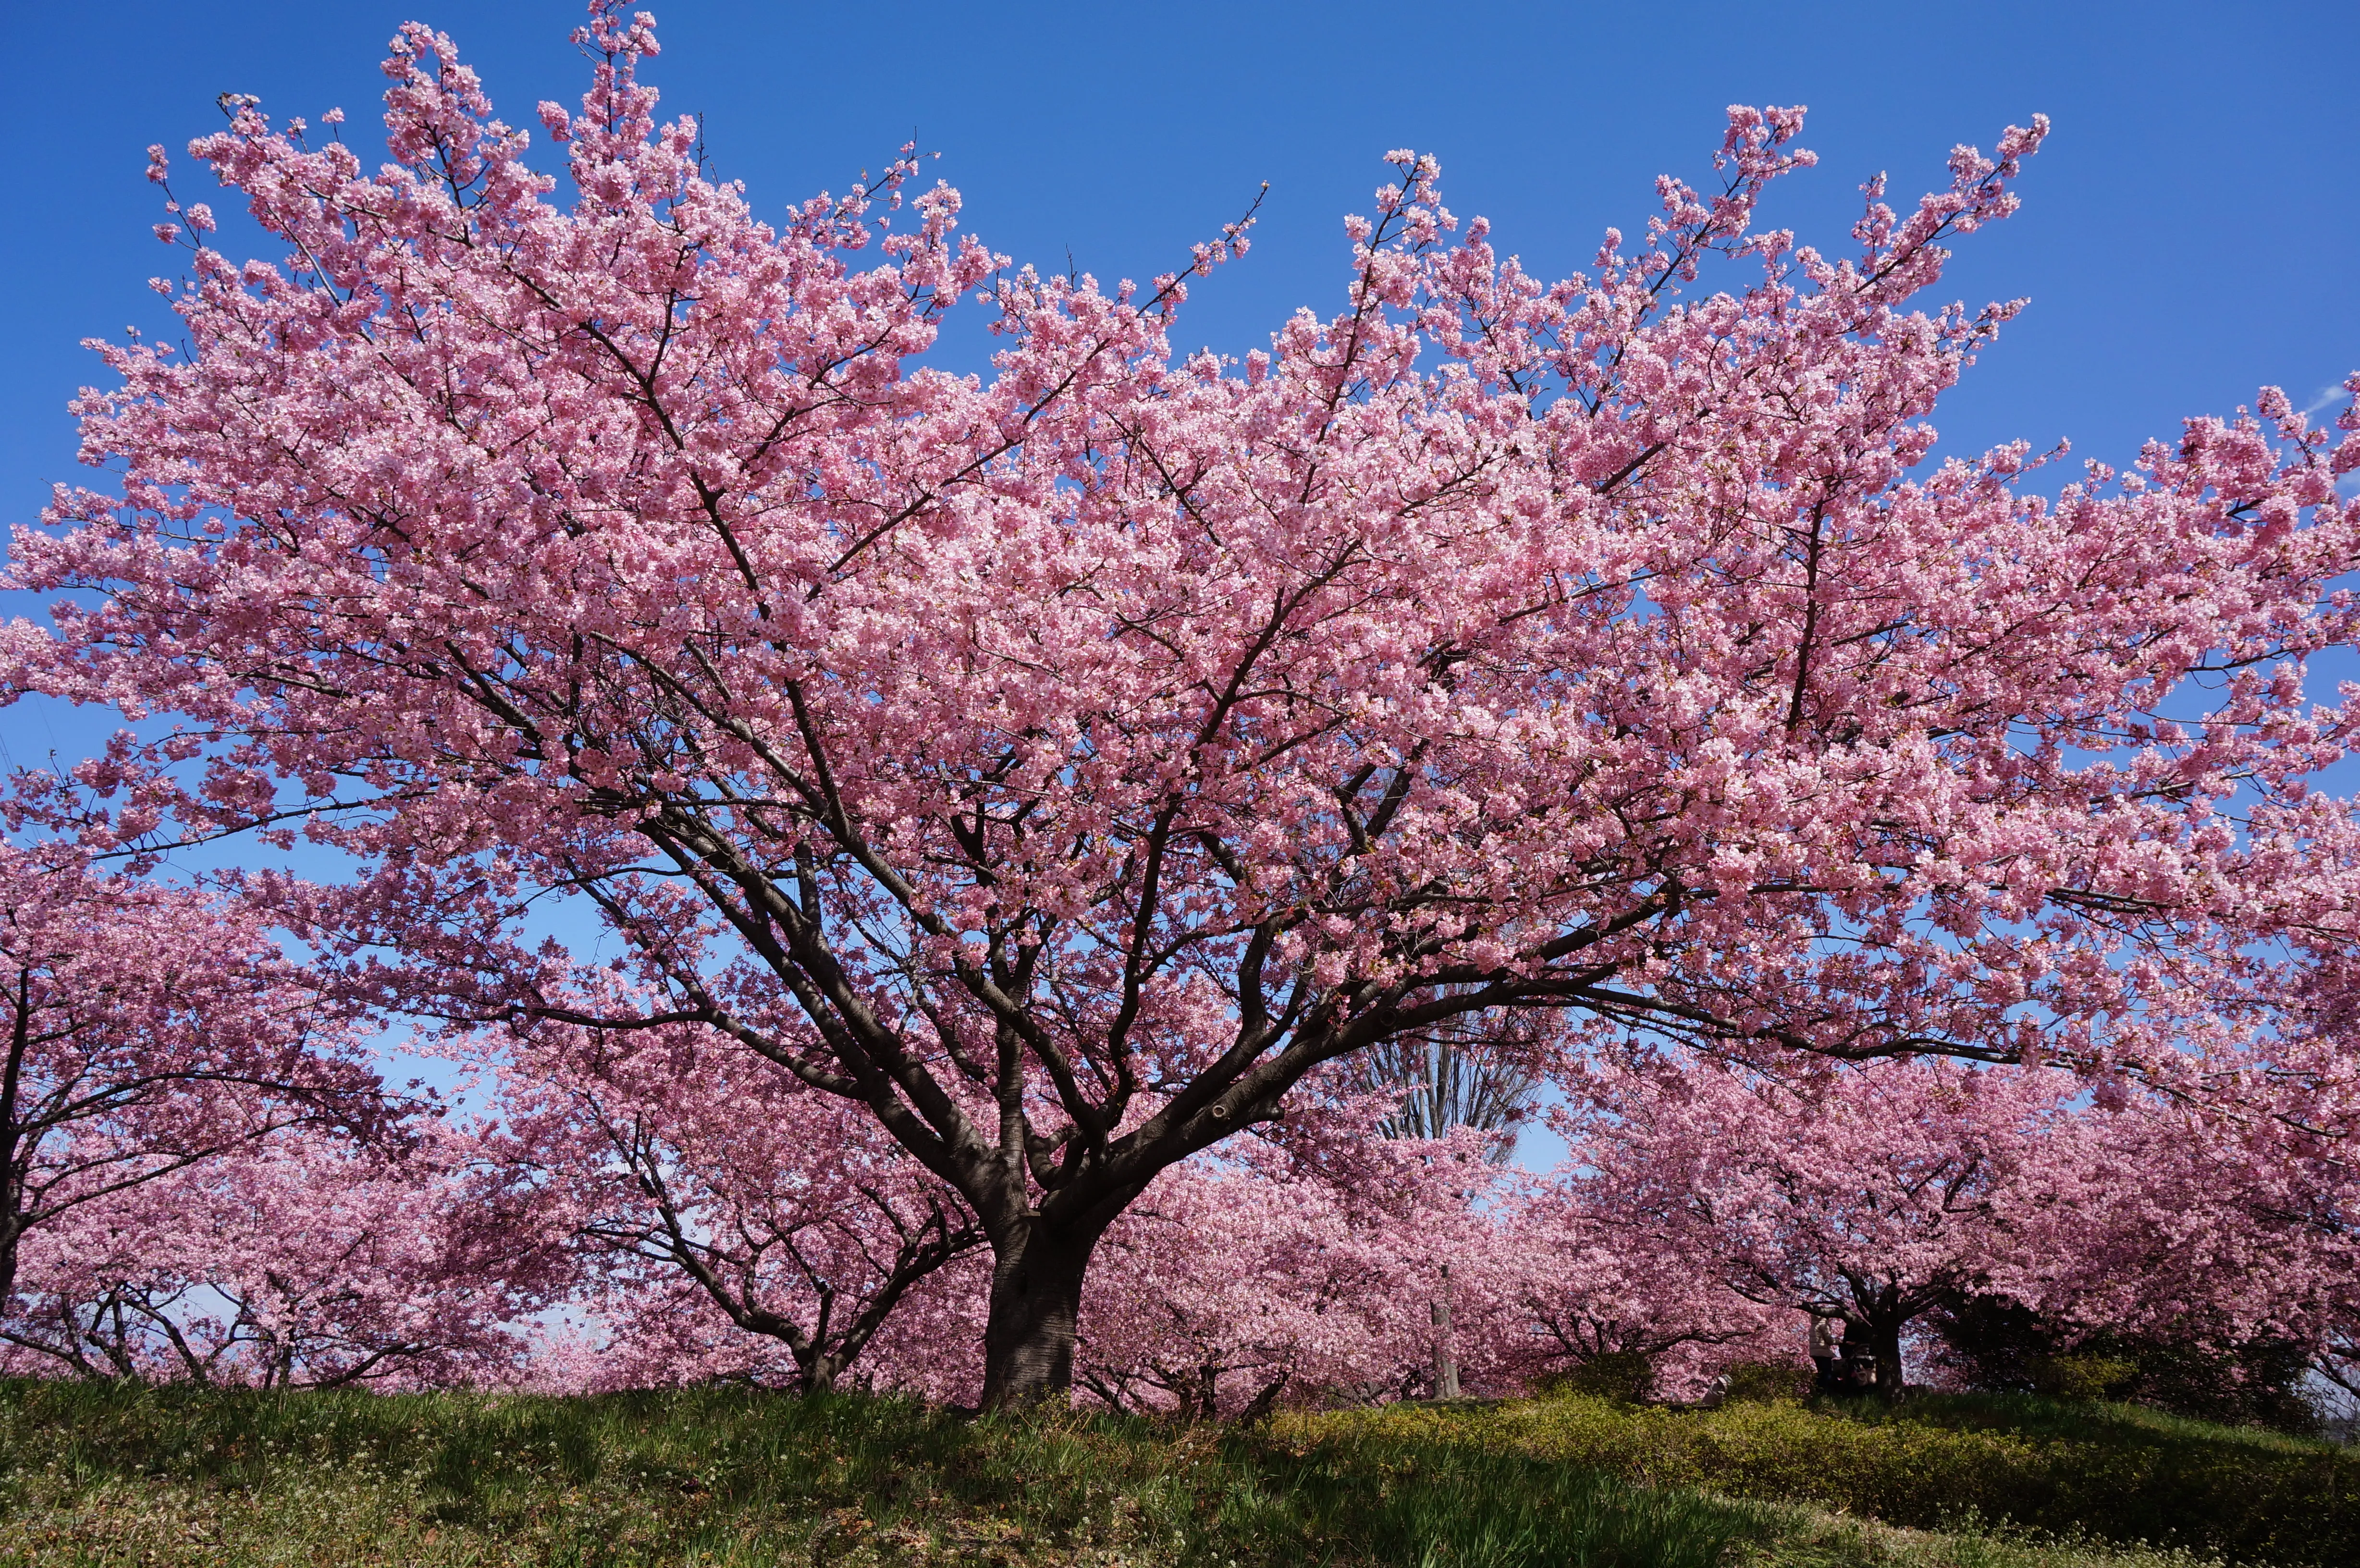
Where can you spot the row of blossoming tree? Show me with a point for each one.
(997, 817)
(648, 1208)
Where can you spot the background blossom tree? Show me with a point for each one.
(698, 1181)
(1060, 764)
(1301, 1274)
(1879, 1194)
(2213, 1251)
(302, 1260)
(148, 1029)
(1871, 1195)
(1592, 1284)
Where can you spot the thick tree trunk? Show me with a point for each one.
(1885, 1344)
(1205, 1404)
(1036, 1295)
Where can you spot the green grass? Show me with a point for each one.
(2106, 1471)
(124, 1475)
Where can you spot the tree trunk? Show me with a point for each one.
(1885, 1344)
(1036, 1294)
(1208, 1402)
(1446, 1360)
(1264, 1402)
(11, 1234)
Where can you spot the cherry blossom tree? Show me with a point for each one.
(1592, 1282)
(303, 1260)
(1872, 1194)
(1280, 1275)
(2295, 1140)
(1877, 1194)
(702, 1182)
(1061, 763)
(1216, 1291)
(2212, 1256)
(2214, 1224)
(150, 1028)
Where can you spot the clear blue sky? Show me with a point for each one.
(2190, 232)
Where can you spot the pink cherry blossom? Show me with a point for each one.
(1058, 766)
(712, 1196)
(299, 1261)
(1230, 1290)
(1872, 1196)
(149, 1030)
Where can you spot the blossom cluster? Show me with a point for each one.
(1010, 790)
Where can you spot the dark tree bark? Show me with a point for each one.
(1881, 1310)
(1885, 1348)
(1036, 1296)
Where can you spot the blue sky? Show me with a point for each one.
(2189, 233)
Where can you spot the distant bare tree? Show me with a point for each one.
(1473, 1070)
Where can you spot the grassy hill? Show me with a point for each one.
(102, 1474)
